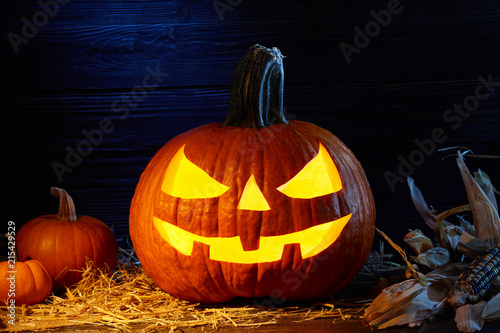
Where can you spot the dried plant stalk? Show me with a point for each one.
(411, 269)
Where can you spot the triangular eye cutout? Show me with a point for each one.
(186, 180)
(318, 177)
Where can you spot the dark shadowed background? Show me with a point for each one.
(92, 89)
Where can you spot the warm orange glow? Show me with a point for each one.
(186, 180)
(318, 177)
(229, 249)
(252, 197)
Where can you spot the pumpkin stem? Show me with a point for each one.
(67, 210)
(256, 98)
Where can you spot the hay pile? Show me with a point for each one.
(129, 300)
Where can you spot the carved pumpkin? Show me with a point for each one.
(26, 282)
(256, 206)
(64, 242)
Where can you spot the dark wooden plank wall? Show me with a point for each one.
(90, 60)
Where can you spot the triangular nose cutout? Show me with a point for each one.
(252, 197)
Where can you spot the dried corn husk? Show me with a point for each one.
(469, 239)
(492, 309)
(485, 216)
(471, 246)
(419, 242)
(448, 234)
(467, 226)
(469, 317)
(410, 302)
(451, 236)
(434, 258)
(419, 202)
(483, 180)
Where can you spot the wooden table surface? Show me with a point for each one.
(442, 324)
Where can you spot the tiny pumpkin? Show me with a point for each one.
(64, 242)
(26, 282)
(257, 206)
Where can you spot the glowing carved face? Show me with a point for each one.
(184, 179)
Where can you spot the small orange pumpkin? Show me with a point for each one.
(26, 282)
(64, 242)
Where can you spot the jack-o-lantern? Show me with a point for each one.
(256, 206)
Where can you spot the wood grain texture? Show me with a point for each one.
(110, 46)
(96, 60)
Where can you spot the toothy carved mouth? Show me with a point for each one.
(229, 249)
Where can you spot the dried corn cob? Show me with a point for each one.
(480, 277)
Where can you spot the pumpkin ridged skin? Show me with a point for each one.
(60, 244)
(274, 155)
(33, 283)
(64, 245)
(257, 140)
